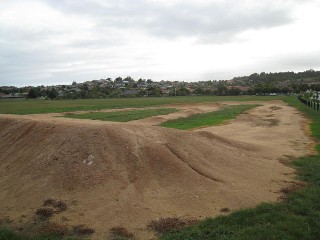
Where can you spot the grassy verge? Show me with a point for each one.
(297, 217)
(313, 115)
(123, 116)
(51, 106)
(208, 119)
(6, 234)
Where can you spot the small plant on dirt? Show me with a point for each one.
(44, 213)
(292, 188)
(120, 233)
(164, 225)
(83, 230)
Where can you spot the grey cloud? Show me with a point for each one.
(216, 21)
(32, 56)
(50, 65)
(300, 61)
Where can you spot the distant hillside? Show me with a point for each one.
(281, 81)
(257, 83)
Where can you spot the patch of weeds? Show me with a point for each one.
(5, 221)
(120, 233)
(225, 210)
(6, 234)
(83, 230)
(58, 205)
(44, 213)
(165, 225)
(9, 234)
(54, 229)
(292, 188)
(287, 160)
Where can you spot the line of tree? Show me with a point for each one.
(256, 83)
(36, 92)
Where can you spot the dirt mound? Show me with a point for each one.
(128, 174)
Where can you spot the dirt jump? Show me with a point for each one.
(126, 174)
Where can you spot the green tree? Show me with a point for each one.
(221, 88)
(33, 93)
(154, 91)
(52, 93)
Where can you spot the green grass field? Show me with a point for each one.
(122, 116)
(55, 106)
(208, 119)
(295, 218)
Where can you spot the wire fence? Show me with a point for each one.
(314, 104)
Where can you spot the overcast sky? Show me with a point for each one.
(59, 41)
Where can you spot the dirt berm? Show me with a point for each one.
(127, 174)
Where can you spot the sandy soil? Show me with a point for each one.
(127, 174)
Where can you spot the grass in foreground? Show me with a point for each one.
(122, 116)
(295, 218)
(208, 119)
(55, 106)
(6, 234)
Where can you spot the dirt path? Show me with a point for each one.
(140, 172)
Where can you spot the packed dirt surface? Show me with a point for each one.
(126, 174)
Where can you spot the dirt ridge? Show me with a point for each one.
(130, 173)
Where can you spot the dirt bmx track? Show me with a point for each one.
(126, 174)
